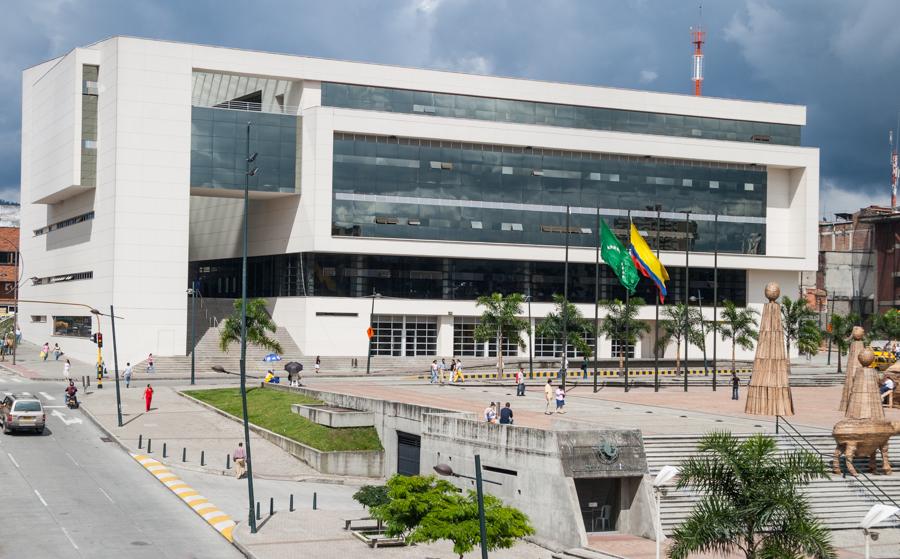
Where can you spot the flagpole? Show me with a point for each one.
(627, 301)
(565, 309)
(596, 299)
(687, 289)
(715, 297)
(656, 324)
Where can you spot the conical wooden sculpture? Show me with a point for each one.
(865, 398)
(770, 389)
(852, 365)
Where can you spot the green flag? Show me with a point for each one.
(614, 253)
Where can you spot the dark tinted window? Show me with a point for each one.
(27, 405)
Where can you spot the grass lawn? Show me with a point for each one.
(271, 409)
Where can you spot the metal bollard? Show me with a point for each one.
(140, 441)
(149, 443)
(257, 511)
(291, 507)
(89, 381)
(164, 450)
(183, 454)
(314, 500)
(227, 461)
(271, 506)
(202, 457)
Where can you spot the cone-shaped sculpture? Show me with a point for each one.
(852, 365)
(865, 399)
(770, 389)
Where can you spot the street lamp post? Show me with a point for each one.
(446, 470)
(112, 321)
(530, 341)
(665, 475)
(191, 291)
(372, 330)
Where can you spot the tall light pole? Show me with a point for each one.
(446, 470)
(112, 320)
(699, 299)
(191, 292)
(251, 157)
(371, 331)
(665, 475)
(530, 341)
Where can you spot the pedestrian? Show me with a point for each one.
(318, 363)
(56, 352)
(459, 371)
(490, 413)
(560, 400)
(520, 381)
(240, 461)
(67, 369)
(584, 368)
(148, 396)
(45, 351)
(735, 385)
(452, 370)
(548, 395)
(150, 363)
(128, 372)
(434, 372)
(506, 415)
(442, 370)
(18, 335)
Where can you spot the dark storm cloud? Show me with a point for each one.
(839, 58)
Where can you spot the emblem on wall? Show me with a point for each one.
(607, 452)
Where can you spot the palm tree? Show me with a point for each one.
(751, 501)
(500, 321)
(841, 328)
(674, 328)
(740, 326)
(259, 324)
(621, 318)
(800, 325)
(577, 326)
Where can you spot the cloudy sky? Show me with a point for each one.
(841, 59)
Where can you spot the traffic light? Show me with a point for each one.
(99, 340)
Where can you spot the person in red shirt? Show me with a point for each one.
(148, 396)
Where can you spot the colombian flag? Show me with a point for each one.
(647, 263)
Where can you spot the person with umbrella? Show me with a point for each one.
(293, 368)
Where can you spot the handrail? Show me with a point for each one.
(255, 107)
(793, 433)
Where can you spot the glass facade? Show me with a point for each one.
(412, 277)
(76, 326)
(427, 189)
(90, 75)
(552, 114)
(219, 149)
(397, 335)
(465, 344)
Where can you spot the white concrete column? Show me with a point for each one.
(445, 335)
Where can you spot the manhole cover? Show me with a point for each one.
(106, 439)
(138, 542)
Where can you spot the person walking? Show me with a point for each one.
(548, 395)
(67, 369)
(520, 381)
(459, 372)
(584, 369)
(560, 400)
(150, 368)
(442, 370)
(434, 372)
(735, 385)
(318, 363)
(506, 415)
(45, 351)
(240, 461)
(148, 396)
(18, 335)
(56, 352)
(129, 370)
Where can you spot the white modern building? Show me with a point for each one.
(429, 188)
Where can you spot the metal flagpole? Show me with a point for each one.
(687, 289)
(565, 308)
(656, 324)
(627, 302)
(596, 299)
(715, 298)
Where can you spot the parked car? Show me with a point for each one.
(20, 412)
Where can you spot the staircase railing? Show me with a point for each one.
(785, 427)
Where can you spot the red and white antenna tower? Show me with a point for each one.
(698, 37)
(894, 170)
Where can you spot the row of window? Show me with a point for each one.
(64, 223)
(554, 114)
(62, 278)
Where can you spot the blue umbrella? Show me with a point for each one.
(272, 357)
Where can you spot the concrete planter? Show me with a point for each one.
(332, 416)
(356, 463)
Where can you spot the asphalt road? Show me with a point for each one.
(70, 494)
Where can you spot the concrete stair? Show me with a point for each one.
(583, 553)
(839, 502)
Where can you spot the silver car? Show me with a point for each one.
(21, 412)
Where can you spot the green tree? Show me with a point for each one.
(674, 328)
(458, 523)
(500, 321)
(800, 326)
(409, 500)
(371, 496)
(577, 326)
(751, 501)
(887, 325)
(621, 317)
(841, 329)
(259, 324)
(740, 326)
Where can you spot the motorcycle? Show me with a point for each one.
(71, 401)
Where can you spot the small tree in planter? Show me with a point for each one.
(372, 496)
(409, 500)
